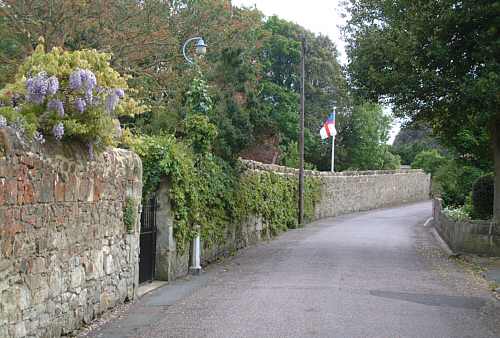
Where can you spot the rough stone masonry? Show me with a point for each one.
(65, 254)
(353, 191)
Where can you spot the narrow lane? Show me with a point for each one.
(372, 274)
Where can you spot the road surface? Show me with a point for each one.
(372, 274)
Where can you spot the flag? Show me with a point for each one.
(328, 128)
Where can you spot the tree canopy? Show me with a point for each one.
(434, 61)
(249, 77)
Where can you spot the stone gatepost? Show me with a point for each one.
(170, 264)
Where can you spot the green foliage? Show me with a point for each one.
(363, 144)
(482, 197)
(198, 99)
(250, 81)
(274, 197)
(206, 191)
(453, 182)
(391, 161)
(290, 157)
(435, 62)
(130, 213)
(163, 156)
(94, 125)
(325, 87)
(429, 160)
(200, 133)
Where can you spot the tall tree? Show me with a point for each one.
(325, 85)
(435, 61)
(364, 144)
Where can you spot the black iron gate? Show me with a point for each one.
(147, 254)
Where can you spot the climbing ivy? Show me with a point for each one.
(274, 197)
(208, 192)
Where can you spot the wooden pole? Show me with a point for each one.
(301, 133)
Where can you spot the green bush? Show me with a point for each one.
(429, 160)
(483, 193)
(68, 95)
(453, 182)
(391, 161)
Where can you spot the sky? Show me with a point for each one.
(319, 16)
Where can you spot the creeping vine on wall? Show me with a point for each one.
(130, 213)
(207, 191)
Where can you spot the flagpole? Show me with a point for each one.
(333, 140)
(333, 153)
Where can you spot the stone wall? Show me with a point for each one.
(65, 253)
(341, 193)
(475, 237)
(352, 191)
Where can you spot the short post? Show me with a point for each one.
(195, 268)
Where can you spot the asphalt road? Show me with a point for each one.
(372, 274)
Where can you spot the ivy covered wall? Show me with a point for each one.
(218, 197)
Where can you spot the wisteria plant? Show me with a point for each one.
(64, 95)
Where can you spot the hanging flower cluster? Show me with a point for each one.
(39, 86)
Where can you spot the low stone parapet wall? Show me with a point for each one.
(65, 253)
(467, 236)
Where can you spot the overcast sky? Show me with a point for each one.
(318, 16)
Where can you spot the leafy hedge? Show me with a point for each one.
(483, 194)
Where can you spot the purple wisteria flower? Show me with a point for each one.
(38, 137)
(37, 87)
(3, 121)
(83, 79)
(111, 102)
(120, 92)
(88, 78)
(58, 131)
(52, 85)
(57, 106)
(75, 80)
(80, 105)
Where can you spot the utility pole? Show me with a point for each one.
(301, 132)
